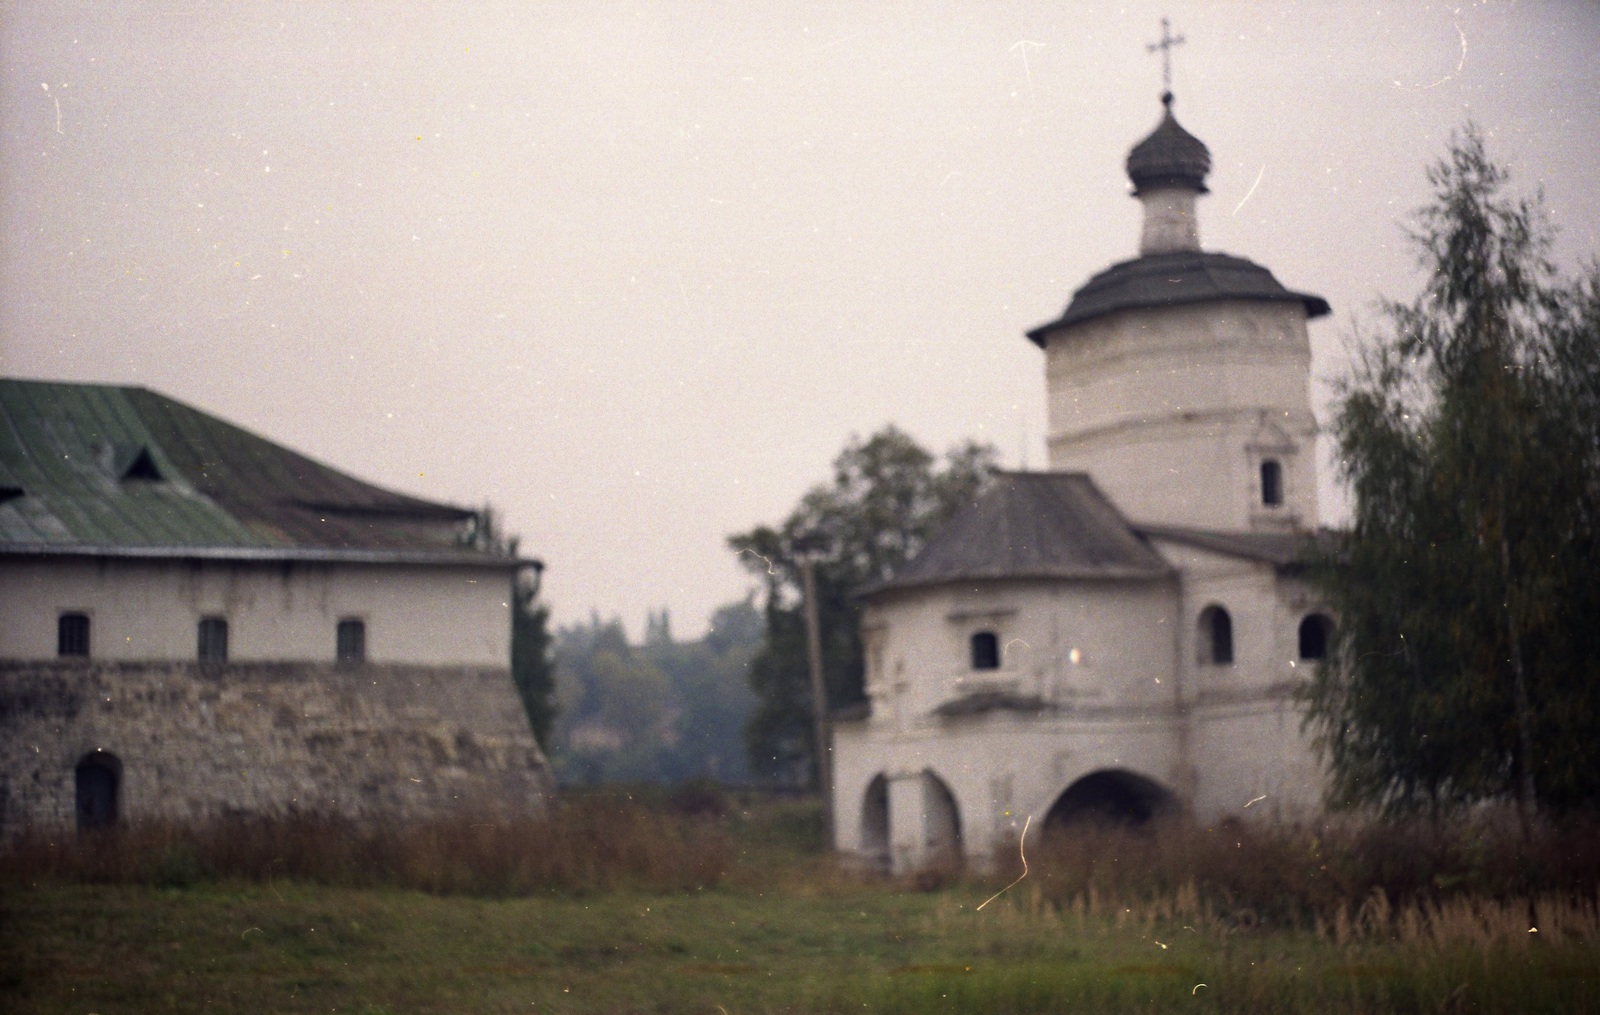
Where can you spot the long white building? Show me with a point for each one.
(195, 621)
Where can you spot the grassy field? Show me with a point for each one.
(777, 928)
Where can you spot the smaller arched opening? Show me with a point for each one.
(1315, 632)
(98, 785)
(1114, 798)
(985, 649)
(1271, 483)
(1214, 637)
(875, 823)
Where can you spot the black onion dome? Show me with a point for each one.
(1170, 156)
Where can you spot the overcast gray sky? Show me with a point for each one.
(634, 273)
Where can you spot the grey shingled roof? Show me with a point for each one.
(1173, 279)
(1033, 525)
(122, 471)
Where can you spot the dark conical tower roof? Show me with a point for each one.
(1169, 157)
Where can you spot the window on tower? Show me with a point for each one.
(985, 651)
(1315, 631)
(1215, 637)
(1271, 483)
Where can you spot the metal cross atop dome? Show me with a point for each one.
(1168, 40)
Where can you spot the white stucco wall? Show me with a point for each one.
(1224, 739)
(1171, 409)
(149, 610)
(1091, 643)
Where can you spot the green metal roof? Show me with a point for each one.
(123, 471)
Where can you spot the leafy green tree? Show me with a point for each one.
(1466, 663)
(888, 496)
(532, 668)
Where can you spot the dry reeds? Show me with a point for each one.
(1346, 880)
(585, 844)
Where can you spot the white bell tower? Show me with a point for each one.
(1180, 380)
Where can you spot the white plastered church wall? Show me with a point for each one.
(1172, 410)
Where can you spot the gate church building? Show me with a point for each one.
(1123, 635)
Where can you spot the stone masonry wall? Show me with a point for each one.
(198, 740)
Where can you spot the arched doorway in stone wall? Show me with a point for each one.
(1110, 797)
(97, 783)
(875, 823)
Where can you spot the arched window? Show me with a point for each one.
(1215, 636)
(98, 784)
(1315, 631)
(985, 651)
(72, 635)
(1271, 483)
(213, 640)
(352, 641)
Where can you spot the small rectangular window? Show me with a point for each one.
(213, 640)
(72, 635)
(352, 641)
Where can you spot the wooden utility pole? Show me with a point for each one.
(819, 694)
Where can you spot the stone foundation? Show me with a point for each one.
(190, 741)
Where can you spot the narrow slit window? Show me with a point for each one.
(213, 640)
(72, 635)
(1271, 483)
(352, 641)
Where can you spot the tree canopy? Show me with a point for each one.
(1466, 662)
(887, 497)
(663, 711)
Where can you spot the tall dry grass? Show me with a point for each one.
(584, 844)
(1405, 879)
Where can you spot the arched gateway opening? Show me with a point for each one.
(930, 832)
(1110, 798)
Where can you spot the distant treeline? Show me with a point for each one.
(663, 711)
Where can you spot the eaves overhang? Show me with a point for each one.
(330, 555)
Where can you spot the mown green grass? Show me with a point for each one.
(831, 947)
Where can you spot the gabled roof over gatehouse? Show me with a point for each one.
(1033, 525)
